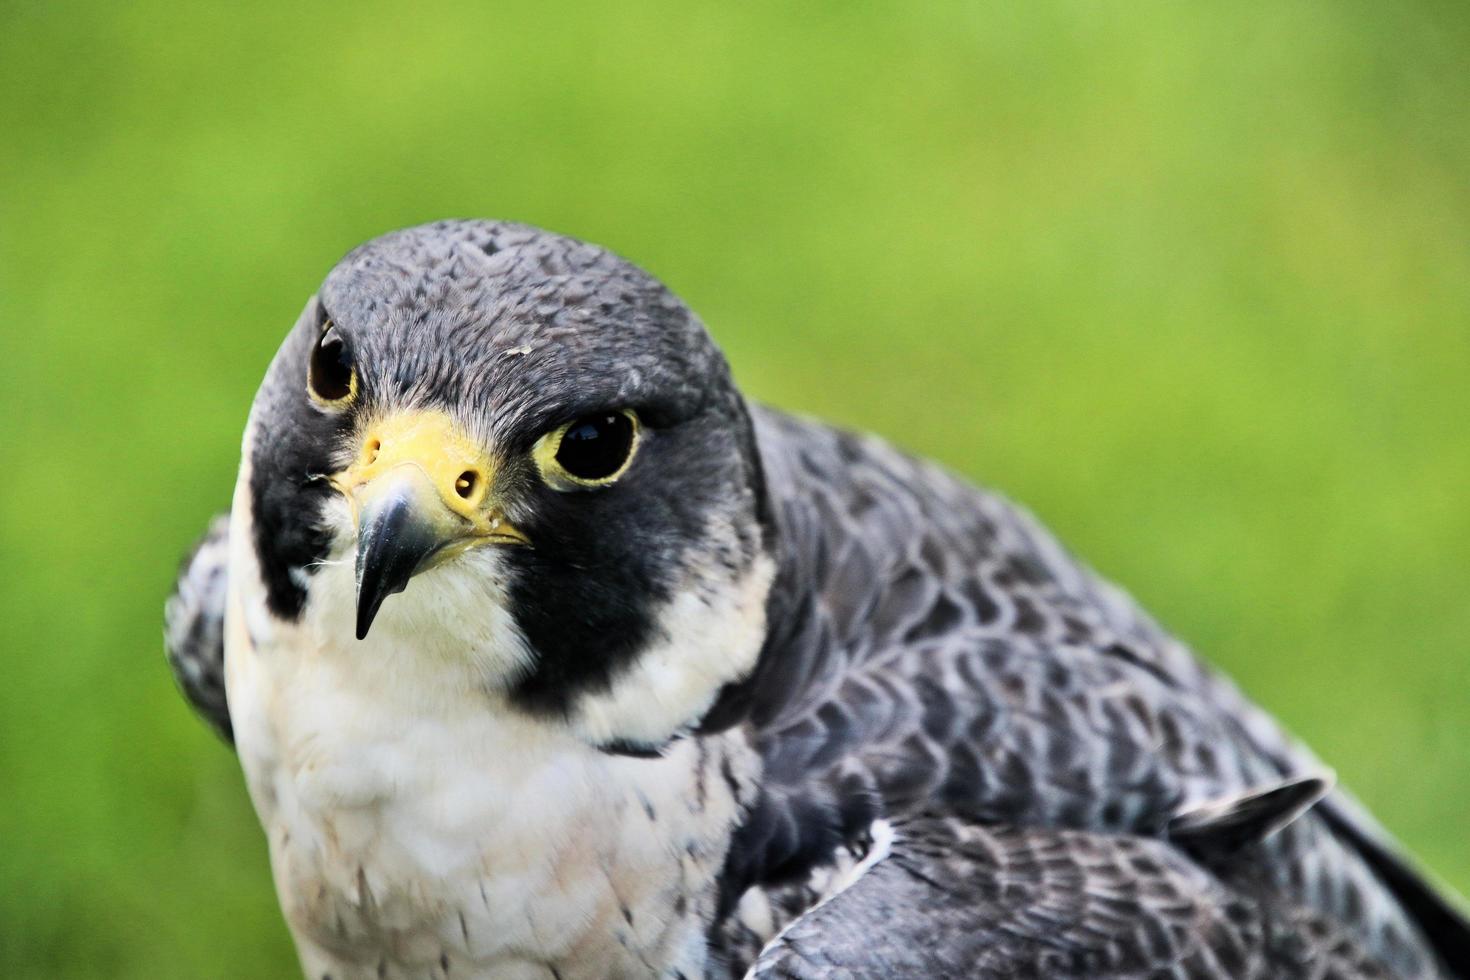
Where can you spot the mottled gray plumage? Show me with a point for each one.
(961, 899)
(943, 647)
(1052, 762)
(194, 626)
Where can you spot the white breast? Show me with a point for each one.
(420, 826)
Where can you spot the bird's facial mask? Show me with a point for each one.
(421, 491)
(468, 384)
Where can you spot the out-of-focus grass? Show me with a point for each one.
(1191, 280)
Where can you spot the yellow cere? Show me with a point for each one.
(428, 452)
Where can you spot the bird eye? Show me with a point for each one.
(331, 377)
(591, 451)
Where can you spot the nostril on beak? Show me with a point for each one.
(466, 483)
(370, 451)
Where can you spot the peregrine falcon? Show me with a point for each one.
(546, 653)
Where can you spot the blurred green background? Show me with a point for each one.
(1191, 280)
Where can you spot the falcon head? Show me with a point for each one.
(487, 447)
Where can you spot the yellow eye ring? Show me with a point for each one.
(588, 452)
(331, 375)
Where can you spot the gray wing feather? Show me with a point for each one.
(958, 899)
(1215, 831)
(932, 646)
(194, 626)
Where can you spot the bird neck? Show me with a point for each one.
(807, 615)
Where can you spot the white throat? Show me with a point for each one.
(419, 825)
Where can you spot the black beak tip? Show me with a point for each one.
(365, 616)
(370, 600)
(392, 545)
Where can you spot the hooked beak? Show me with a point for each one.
(420, 493)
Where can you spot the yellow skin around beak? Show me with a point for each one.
(420, 492)
(424, 454)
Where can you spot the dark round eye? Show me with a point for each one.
(595, 447)
(331, 376)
